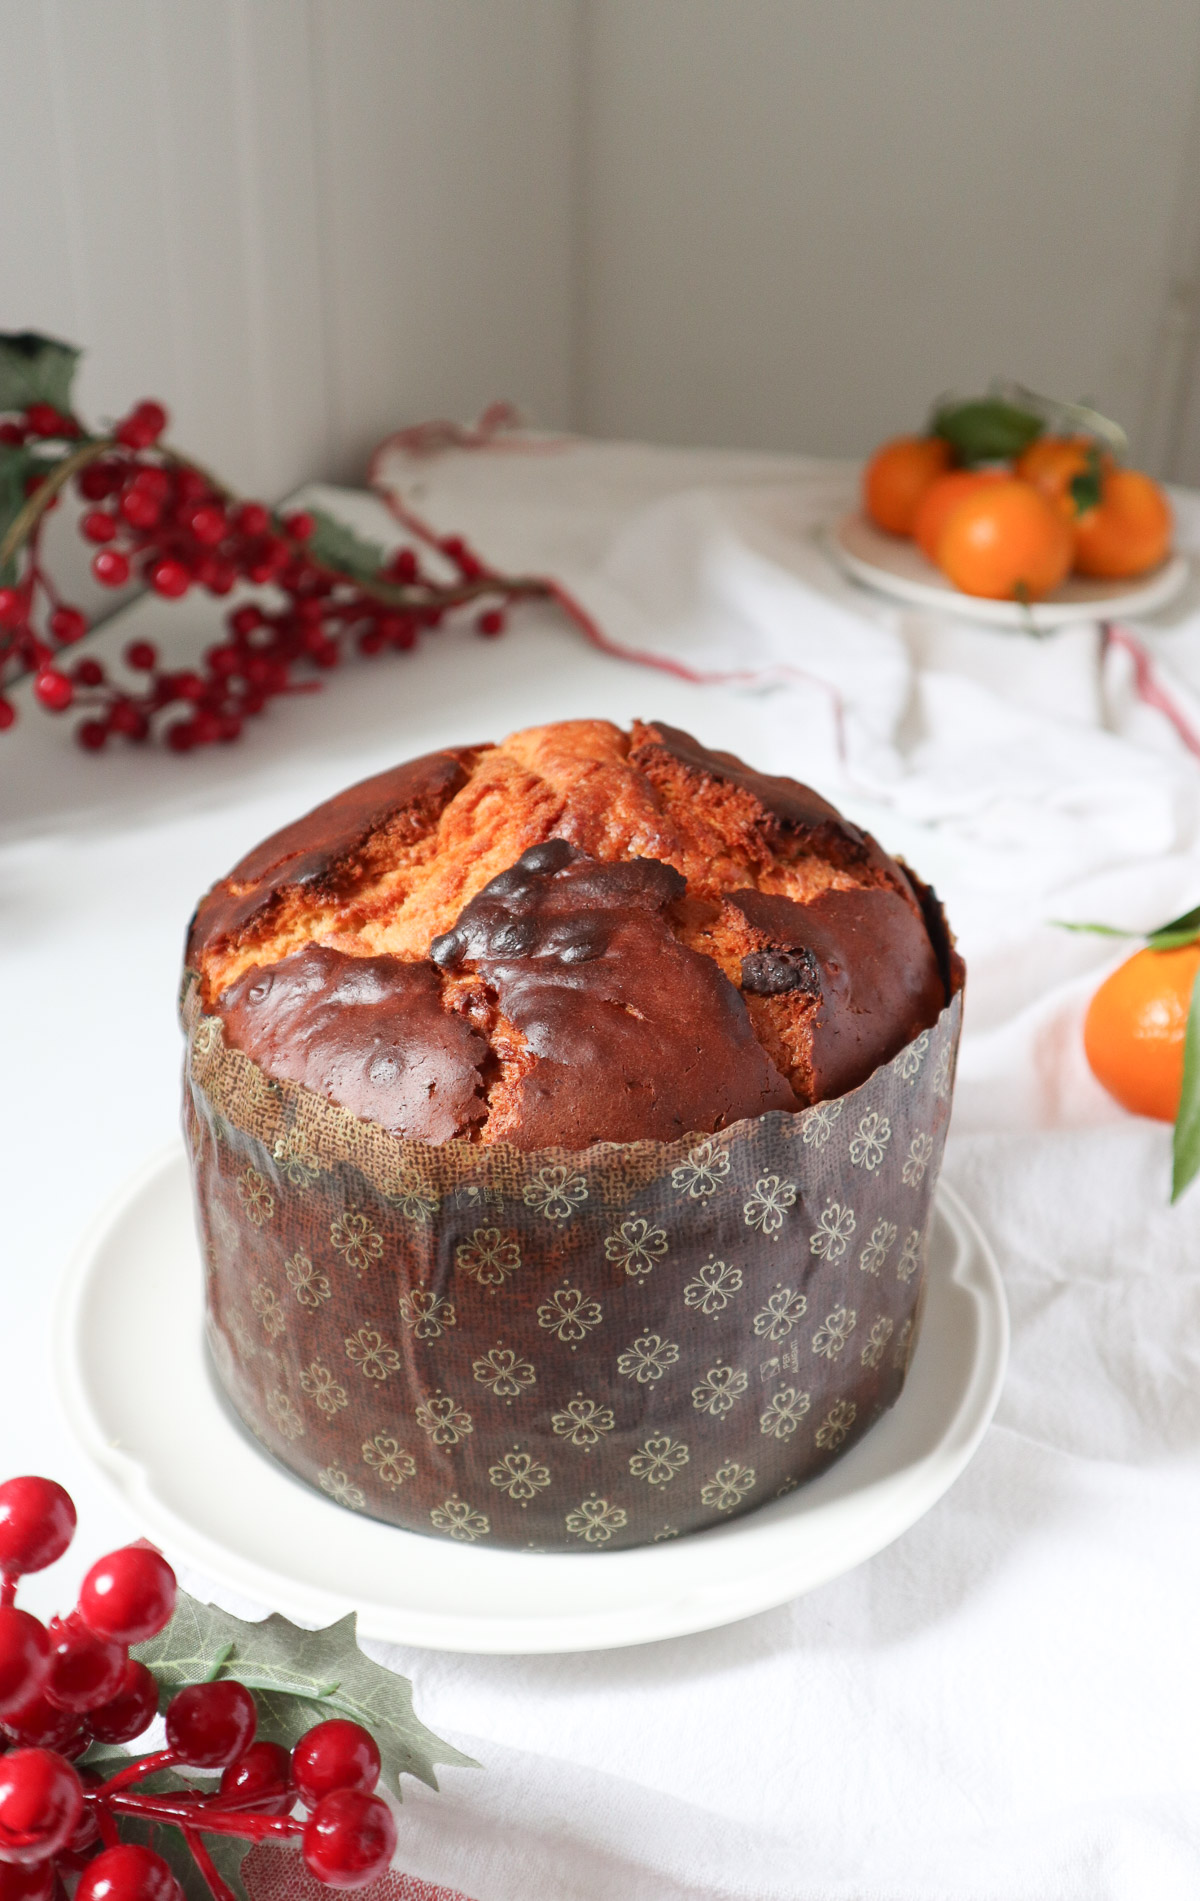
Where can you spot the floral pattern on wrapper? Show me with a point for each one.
(538, 1349)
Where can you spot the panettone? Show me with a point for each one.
(564, 1119)
(576, 936)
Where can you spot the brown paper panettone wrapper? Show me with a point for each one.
(562, 1350)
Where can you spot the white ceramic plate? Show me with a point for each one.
(897, 567)
(135, 1381)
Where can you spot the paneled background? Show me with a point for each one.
(776, 223)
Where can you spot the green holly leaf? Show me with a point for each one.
(36, 369)
(1185, 1146)
(16, 466)
(339, 547)
(299, 1677)
(988, 430)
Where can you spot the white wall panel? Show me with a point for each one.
(447, 178)
(298, 222)
(805, 218)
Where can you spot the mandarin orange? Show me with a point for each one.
(1130, 530)
(941, 498)
(897, 476)
(1005, 542)
(1135, 1026)
(1053, 462)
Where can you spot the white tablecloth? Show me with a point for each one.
(1003, 1703)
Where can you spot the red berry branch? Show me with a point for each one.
(155, 517)
(71, 1684)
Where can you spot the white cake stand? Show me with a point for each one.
(135, 1381)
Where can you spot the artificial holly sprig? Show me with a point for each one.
(156, 516)
(1177, 934)
(140, 1828)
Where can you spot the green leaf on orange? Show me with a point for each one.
(1185, 1146)
(987, 430)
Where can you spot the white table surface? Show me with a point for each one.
(1003, 1704)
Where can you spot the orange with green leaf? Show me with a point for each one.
(1010, 493)
(1141, 1034)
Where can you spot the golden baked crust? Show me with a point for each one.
(578, 935)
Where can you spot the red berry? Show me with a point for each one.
(87, 672)
(40, 1722)
(127, 1872)
(85, 1670)
(44, 420)
(111, 567)
(67, 624)
(8, 714)
(36, 1882)
(211, 1724)
(142, 655)
(152, 480)
(252, 519)
(142, 427)
(335, 1755)
(12, 435)
(301, 526)
(349, 1839)
(259, 1780)
(96, 481)
(130, 1711)
(24, 1657)
(207, 523)
(140, 509)
(14, 607)
(128, 720)
(491, 623)
(129, 1595)
(54, 690)
(181, 737)
(170, 578)
(99, 525)
(37, 1523)
(403, 566)
(41, 1801)
(92, 735)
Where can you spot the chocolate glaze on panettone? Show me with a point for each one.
(579, 935)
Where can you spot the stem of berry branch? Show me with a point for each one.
(27, 517)
(162, 1808)
(392, 595)
(107, 1826)
(134, 1771)
(204, 1862)
(8, 1589)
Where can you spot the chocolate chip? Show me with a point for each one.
(447, 950)
(778, 973)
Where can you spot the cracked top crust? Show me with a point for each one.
(579, 935)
